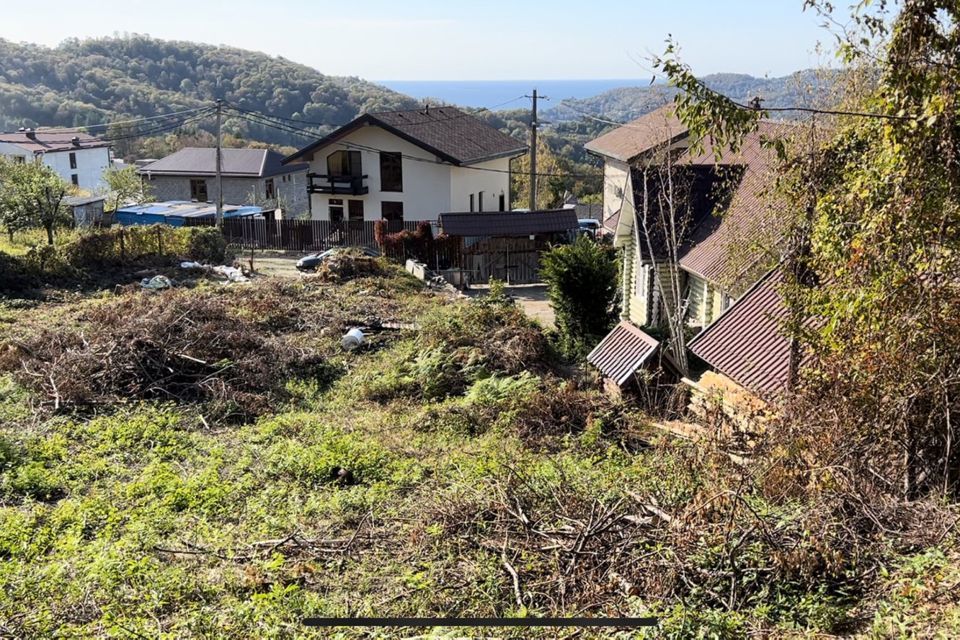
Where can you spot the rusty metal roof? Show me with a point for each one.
(747, 343)
(623, 351)
(508, 224)
(633, 139)
(735, 246)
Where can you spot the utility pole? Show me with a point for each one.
(219, 218)
(533, 153)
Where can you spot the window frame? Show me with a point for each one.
(269, 189)
(198, 185)
(73, 160)
(396, 159)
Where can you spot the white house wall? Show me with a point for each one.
(615, 185)
(91, 163)
(491, 177)
(429, 186)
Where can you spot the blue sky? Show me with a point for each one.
(448, 39)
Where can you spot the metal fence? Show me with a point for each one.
(304, 235)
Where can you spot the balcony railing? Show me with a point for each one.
(342, 185)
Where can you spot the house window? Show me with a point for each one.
(503, 202)
(336, 210)
(268, 190)
(73, 160)
(471, 203)
(392, 212)
(75, 180)
(344, 163)
(19, 159)
(198, 190)
(391, 171)
(480, 201)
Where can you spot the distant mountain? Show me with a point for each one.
(84, 82)
(627, 103)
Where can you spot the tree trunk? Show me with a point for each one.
(49, 228)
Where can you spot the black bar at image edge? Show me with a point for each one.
(480, 622)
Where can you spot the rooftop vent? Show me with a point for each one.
(31, 134)
(75, 140)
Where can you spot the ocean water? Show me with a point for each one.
(502, 94)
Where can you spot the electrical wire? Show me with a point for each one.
(160, 128)
(86, 127)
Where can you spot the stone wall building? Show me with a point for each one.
(249, 176)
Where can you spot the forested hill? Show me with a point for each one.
(83, 82)
(628, 103)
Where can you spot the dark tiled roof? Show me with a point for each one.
(508, 224)
(448, 133)
(202, 161)
(46, 140)
(622, 352)
(639, 136)
(747, 343)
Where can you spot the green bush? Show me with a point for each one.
(582, 286)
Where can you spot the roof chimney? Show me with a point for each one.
(31, 134)
(75, 140)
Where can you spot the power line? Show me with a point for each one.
(162, 128)
(84, 128)
(263, 120)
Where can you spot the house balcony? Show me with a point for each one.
(337, 185)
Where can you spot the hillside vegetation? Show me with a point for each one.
(626, 103)
(85, 82)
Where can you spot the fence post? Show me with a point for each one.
(123, 252)
(159, 240)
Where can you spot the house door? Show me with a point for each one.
(355, 211)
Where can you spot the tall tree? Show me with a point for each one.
(125, 185)
(32, 195)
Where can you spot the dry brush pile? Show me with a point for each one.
(231, 349)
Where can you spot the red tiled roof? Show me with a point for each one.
(747, 343)
(622, 352)
(46, 140)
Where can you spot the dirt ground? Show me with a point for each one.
(274, 263)
(532, 297)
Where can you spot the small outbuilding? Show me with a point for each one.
(628, 357)
(87, 211)
(507, 245)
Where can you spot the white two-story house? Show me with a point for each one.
(408, 166)
(80, 159)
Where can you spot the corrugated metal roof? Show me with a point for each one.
(735, 246)
(747, 343)
(47, 140)
(639, 136)
(508, 224)
(622, 352)
(202, 161)
(449, 133)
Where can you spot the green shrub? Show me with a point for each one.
(582, 286)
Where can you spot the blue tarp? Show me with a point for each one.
(175, 212)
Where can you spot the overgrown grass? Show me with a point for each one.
(415, 482)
